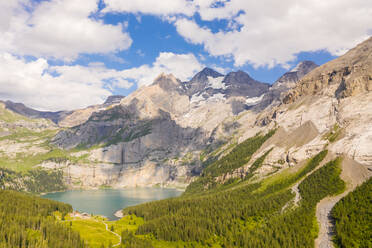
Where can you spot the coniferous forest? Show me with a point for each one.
(353, 218)
(28, 221)
(35, 181)
(247, 215)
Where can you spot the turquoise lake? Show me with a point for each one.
(107, 201)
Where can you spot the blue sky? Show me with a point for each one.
(151, 35)
(81, 53)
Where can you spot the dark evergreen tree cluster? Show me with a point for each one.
(35, 181)
(298, 227)
(238, 157)
(27, 221)
(353, 218)
(129, 240)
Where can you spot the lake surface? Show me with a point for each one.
(107, 201)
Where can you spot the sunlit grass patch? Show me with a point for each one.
(93, 232)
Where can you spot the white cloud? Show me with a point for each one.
(163, 7)
(42, 86)
(272, 33)
(264, 32)
(60, 29)
(182, 66)
(65, 29)
(45, 87)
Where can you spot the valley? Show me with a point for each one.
(282, 165)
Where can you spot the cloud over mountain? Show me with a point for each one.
(256, 31)
(46, 87)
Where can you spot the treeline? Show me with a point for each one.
(353, 218)
(245, 215)
(297, 227)
(237, 158)
(198, 219)
(35, 181)
(129, 240)
(27, 221)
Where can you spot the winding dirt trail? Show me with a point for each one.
(353, 174)
(117, 235)
(295, 189)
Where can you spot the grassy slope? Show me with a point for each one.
(28, 138)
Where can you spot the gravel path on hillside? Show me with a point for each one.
(353, 174)
(295, 189)
(323, 215)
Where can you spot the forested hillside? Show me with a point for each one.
(239, 156)
(35, 181)
(244, 213)
(353, 217)
(28, 221)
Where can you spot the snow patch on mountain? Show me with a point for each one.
(216, 83)
(253, 100)
(196, 98)
(218, 96)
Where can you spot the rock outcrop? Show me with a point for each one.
(345, 76)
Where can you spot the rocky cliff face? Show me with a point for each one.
(330, 107)
(160, 128)
(139, 136)
(346, 76)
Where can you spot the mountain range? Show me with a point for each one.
(222, 137)
(155, 135)
(158, 134)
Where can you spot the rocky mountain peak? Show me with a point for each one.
(290, 78)
(304, 67)
(200, 81)
(203, 75)
(113, 99)
(167, 81)
(163, 76)
(238, 77)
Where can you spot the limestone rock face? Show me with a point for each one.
(348, 75)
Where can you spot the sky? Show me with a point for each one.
(68, 54)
